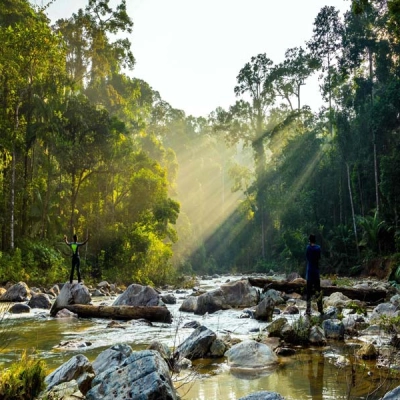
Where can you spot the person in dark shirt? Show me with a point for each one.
(76, 261)
(313, 255)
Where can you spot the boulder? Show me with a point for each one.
(78, 368)
(236, 294)
(367, 352)
(250, 354)
(189, 304)
(138, 295)
(71, 293)
(197, 345)
(19, 308)
(317, 336)
(392, 395)
(40, 300)
(64, 313)
(384, 309)
(111, 357)
(168, 298)
(143, 375)
(16, 293)
(333, 329)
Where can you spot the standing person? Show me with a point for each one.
(313, 255)
(76, 261)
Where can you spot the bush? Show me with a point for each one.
(24, 380)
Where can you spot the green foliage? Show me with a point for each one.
(24, 380)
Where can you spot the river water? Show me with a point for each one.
(312, 373)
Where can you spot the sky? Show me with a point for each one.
(191, 51)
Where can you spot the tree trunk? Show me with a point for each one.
(367, 295)
(153, 314)
(352, 208)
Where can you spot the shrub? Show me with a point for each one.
(24, 380)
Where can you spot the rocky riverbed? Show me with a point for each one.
(347, 353)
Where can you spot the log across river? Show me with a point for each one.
(153, 314)
(367, 295)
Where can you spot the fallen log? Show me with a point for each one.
(367, 295)
(153, 314)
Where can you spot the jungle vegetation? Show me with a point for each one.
(87, 148)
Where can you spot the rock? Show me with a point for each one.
(218, 348)
(367, 352)
(250, 354)
(104, 285)
(317, 336)
(285, 351)
(384, 309)
(235, 294)
(78, 368)
(162, 348)
(73, 344)
(2, 291)
(265, 308)
(197, 345)
(16, 293)
(138, 295)
(40, 300)
(291, 310)
(65, 391)
(111, 357)
(64, 313)
(189, 304)
(143, 375)
(333, 329)
(192, 324)
(392, 395)
(168, 298)
(274, 329)
(292, 276)
(71, 293)
(337, 300)
(19, 309)
(263, 396)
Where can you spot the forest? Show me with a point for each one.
(88, 149)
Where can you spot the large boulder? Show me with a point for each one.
(384, 309)
(16, 293)
(392, 395)
(111, 357)
(138, 295)
(250, 354)
(197, 345)
(77, 368)
(71, 293)
(143, 375)
(265, 308)
(237, 294)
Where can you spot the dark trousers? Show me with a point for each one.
(314, 287)
(76, 263)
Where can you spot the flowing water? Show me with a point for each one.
(312, 373)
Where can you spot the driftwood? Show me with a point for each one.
(153, 314)
(370, 295)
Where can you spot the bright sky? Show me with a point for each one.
(191, 51)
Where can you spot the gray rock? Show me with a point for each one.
(387, 309)
(168, 298)
(392, 395)
(71, 293)
(143, 375)
(197, 345)
(111, 357)
(189, 304)
(250, 354)
(40, 300)
(78, 368)
(333, 329)
(138, 295)
(16, 293)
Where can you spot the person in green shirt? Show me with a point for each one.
(76, 261)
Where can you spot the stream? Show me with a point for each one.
(312, 373)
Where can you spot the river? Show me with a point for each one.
(312, 373)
